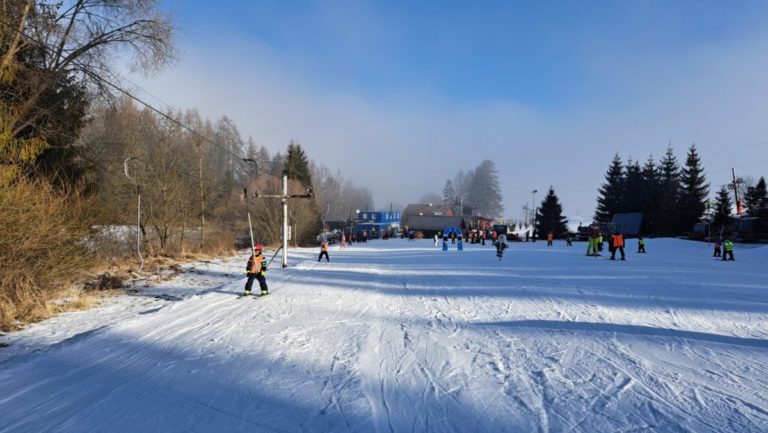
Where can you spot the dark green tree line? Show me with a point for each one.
(672, 199)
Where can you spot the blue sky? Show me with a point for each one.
(399, 95)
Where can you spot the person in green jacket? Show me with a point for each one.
(640, 245)
(728, 250)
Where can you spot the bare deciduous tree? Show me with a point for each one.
(48, 46)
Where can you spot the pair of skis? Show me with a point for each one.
(252, 296)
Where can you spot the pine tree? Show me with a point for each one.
(277, 165)
(650, 197)
(263, 160)
(669, 179)
(550, 216)
(763, 203)
(762, 208)
(756, 198)
(250, 149)
(449, 194)
(461, 186)
(611, 193)
(485, 191)
(633, 188)
(308, 218)
(723, 206)
(693, 192)
(296, 165)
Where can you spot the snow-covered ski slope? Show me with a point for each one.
(396, 336)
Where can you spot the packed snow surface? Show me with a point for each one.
(398, 336)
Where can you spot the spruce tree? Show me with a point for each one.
(669, 194)
(485, 191)
(449, 194)
(763, 203)
(250, 149)
(611, 193)
(549, 216)
(723, 206)
(650, 197)
(756, 198)
(277, 165)
(296, 165)
(693, 192)
(633, 188)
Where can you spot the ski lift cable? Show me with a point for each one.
(116, 87)
(104, 81)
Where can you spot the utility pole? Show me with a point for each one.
(735, 187)
(284, 200)
(202, 196)
(247, 208)
(533, 215)
(284, 197)
(138, 210)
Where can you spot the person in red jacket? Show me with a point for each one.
(550, 237)
(618, 244)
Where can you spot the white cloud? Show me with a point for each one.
(410, 143)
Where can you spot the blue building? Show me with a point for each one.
(376, 223)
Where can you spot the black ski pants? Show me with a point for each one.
(262, 282)
(613, 253)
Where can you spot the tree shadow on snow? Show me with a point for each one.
(634, 330)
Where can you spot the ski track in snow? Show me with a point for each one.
(397, 336)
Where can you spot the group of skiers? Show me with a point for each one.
(616, 242)
(725, 251)
(256, 267)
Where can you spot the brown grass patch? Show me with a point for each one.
(43, 248)
(51, 262)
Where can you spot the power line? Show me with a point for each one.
(162, 114)
(108, 83)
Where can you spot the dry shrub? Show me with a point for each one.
(105, 281)
(43, 245)
(220, 243)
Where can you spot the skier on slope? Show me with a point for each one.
(501, 245)
(593, 233)
(255, 269)
(728, 249)
(323, 252)
(618, 244)
(640, 245)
